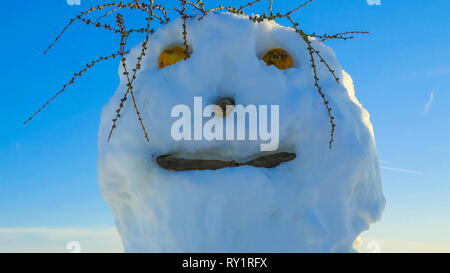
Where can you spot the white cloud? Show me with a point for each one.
(56, 239)
(108, 240)
(429, 103)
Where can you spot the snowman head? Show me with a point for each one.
(183, 191)
(180, 170)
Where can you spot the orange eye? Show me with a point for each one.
(172, 56)
(279, 58)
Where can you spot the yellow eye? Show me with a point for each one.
(279, 58)
(172, 56)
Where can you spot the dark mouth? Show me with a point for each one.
(173, 163)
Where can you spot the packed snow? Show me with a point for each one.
(319, 202)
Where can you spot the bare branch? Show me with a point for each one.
(75, 76)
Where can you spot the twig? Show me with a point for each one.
(75, 76)
(162, 18)
(124, 37)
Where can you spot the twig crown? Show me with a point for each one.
(158, 13)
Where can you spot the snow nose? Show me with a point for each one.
(226, 104)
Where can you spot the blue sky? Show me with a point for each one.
(401, 72)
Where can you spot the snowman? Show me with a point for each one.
(195, 187)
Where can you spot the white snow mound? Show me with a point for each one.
(319, 202)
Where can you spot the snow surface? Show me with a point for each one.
(319, 202)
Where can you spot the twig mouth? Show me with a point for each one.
(173, 163)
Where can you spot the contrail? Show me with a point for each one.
(401, 170)
(429, 102)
